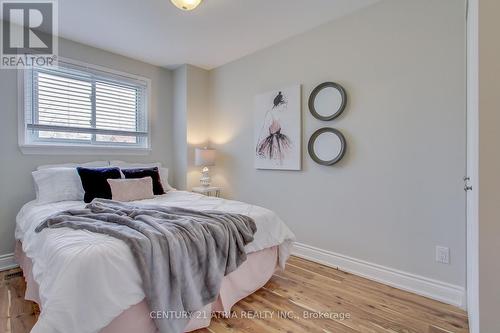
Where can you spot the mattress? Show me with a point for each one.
(77, 271)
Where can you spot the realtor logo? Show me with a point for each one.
(28, 30)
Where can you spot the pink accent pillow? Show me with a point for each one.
(131, 189)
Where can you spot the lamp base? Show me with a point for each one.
(205, 177)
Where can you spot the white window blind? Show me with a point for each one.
(73, 104)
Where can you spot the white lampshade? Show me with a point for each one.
(186, 4)
(204, 157)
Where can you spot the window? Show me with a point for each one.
(76, 105)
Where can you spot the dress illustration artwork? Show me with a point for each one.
(277, 129)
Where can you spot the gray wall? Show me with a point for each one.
(198, 119)
(191, 118)
(179, 130)
(398, 192)
(489, 166)
(16, 185)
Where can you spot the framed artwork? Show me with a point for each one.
(277, 129)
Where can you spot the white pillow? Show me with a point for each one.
(58, 184)
(164, 179)
(94, 164)
(163, 171)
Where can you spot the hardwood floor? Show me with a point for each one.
(307, 297)
(16, 314)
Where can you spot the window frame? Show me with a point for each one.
(69, 147)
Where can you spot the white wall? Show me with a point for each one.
(489, 166)
(398, 192)
(16, 185)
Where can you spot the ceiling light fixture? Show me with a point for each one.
(186, 4)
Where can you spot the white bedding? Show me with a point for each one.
(87, 279)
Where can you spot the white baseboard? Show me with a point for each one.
(438, 290)
(7, 261)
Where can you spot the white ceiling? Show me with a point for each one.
(217, 32)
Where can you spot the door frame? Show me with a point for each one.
(472, 148)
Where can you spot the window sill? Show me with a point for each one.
(41, 149)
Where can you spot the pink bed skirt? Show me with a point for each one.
(249, 277)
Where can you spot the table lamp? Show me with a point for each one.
(204, 157)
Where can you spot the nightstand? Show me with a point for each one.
(211, 191)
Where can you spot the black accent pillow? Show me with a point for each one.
(95, 182)
(146, 172)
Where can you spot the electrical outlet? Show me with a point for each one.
(442, 254)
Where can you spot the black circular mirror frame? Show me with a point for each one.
(312, 139)
(316, 91)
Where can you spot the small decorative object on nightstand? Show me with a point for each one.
(211, 191)
(204, 157)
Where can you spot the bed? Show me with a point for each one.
(87, 282)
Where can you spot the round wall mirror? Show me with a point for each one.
(327, 101)
(327, 146)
